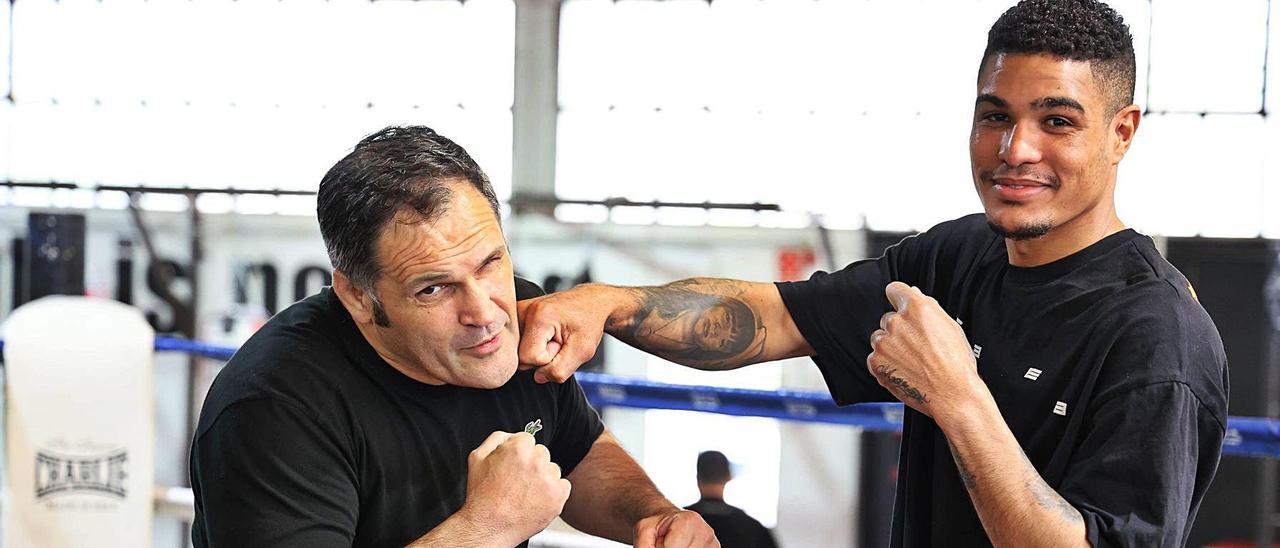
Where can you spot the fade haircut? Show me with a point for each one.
(713, 468)
(401, 169)
(1077, 30)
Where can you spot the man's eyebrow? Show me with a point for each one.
(497, 252)
(989, 98)
(428, 277)
(1057, 102)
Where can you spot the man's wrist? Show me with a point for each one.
(657, 507)
(971, 410)
(621, 302)
(473, 522)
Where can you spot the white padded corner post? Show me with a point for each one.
(79, 424)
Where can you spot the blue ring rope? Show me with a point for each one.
(1246, 436)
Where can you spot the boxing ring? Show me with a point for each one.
(1246, 436)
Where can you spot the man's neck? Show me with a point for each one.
(1063, 240)
(711, 490)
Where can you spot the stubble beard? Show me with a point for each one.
(1022, 233)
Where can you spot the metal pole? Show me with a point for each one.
(536, 104)
(1267, 468)
(193, 361)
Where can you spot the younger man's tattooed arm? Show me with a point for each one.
(710, 324)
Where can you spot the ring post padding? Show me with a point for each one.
(80, 424)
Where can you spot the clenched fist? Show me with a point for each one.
(513, 488)
(922, 355)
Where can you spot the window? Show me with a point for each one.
(212, 93)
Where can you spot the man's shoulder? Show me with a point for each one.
(969, 228)
(711, 507)
(1164, 335)
(297, 358)
(1154, 299)
(730, 521)
(959, 240)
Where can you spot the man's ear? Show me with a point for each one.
(357, 302)
(1125, 124)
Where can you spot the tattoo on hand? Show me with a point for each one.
(701, 323)
(901, 388)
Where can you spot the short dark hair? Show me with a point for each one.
(398, 168)
(713, 467)
(1078, 30)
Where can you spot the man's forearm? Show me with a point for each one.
(704, 323)
(1006, 489)
(461, 531)
(611, 493)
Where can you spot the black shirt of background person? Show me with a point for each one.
(1104, 365)
(308, 438)
(733, 527)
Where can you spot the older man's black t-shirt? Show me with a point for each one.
(1103, 364)
(308, 438)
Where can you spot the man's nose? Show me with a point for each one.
(476, 307)
(1018, 146)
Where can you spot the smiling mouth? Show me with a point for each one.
(1015, 191)
(1017, 183)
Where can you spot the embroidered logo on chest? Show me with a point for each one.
(533, 427)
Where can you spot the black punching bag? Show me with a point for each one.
(53, 256)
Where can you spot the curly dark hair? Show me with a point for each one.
(1079, 30)
(398, 168)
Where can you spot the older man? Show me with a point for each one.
(388, 411)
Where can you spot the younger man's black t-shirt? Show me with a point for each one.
(308, 438)
(1103, 364)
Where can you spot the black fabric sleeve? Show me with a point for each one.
(526, 289)
(837, 313)
(266, 474)
(578, 426)
(1143, 466)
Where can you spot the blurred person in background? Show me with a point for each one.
(734, 528)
